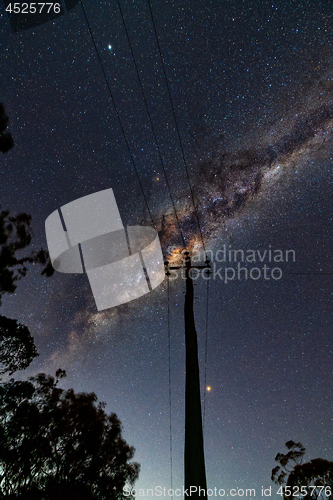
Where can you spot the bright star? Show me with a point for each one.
(110, 47)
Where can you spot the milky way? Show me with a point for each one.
(251, 84)
(226, 181)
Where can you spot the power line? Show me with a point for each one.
(169, 352)
(151, 124)
(177, 128)
(166, 178)
(117, 114)
(206, 345)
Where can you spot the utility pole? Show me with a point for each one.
(194, 458)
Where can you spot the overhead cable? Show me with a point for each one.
(152, 126)
(117, 114)
(177, 128)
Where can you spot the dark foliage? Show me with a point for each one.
(15, 235)
(54, 444)
(17, 348)
(6, 139)
(57, 444)
(315, 477)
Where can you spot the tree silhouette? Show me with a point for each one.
(310, 481)
(15, 235)
(6, 139)
(17, 349)
(56, 444)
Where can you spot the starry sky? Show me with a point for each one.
(252, 89)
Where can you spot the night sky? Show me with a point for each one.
(252, 88)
